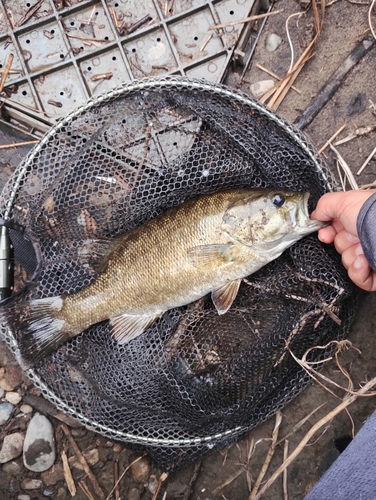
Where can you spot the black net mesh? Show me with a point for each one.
(194, 381)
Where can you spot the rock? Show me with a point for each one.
(11, 378)
(134, 493)
(26, 408)
(48, 493)
(6, 410)
(39, 447)
(91, 456)
(2, 392)
(140, 471)
(31, 484)
(273, 41)
(13, 469)
(153, 483)
(61, 494)
(23, 497)
(53, 476)
(117, 448)
(13, 397)
(259, 88)
(12, 447)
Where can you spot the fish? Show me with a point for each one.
(205, 245)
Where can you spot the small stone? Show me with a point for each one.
(153, 483)
(117, 448)
(11, 378)
(23, 497)
(140, 471)
(61, 494)
(13, 469)
(48, 493)
(39, 447)
(134, 493)
(2, 392)
(259, 88)
(13, 397)
(53, 475)
(12, 447)
(91, 456)
(6, 410)
(26, 408)
(273, 41)
(31, 484)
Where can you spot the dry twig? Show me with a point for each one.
(98, 490)
(329, 141)
(284, 478)
(349, 175)
(369, 158)
(4, 76)
(16, 144)
(245, 20)
(68, 475)
(269, 456)
(327, 418)
(369, 18)
(228, 481)
(275, 76)
(122, 475)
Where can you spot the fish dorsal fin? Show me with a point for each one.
(224, 296)
(216, 254)
(126, 327)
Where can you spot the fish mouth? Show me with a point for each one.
(301, 219)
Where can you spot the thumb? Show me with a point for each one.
(328, 207)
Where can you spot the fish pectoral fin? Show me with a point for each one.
(224, 296)
(216, 254)
(126, 327)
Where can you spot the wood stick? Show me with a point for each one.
(98, 490)
(336, 134)
(245, 20)
(366, 162)
(4, 76)
(122, 475)
(275, 76)
(228, 481)
(269, 456)
(311, 433)
(334, 82)
(116, 479)
(68, 475)
(16, 144)
(284, 477)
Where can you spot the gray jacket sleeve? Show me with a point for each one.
(366, 226)
(353, 475)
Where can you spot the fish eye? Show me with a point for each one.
(278, 200)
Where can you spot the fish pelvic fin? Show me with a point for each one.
(224, 296)
(127, 327)
(37, 327)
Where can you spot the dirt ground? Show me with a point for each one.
(345, 25)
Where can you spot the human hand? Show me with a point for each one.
(342, 210)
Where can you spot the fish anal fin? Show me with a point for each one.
(224, 296)
(216, 254)
(127, 327)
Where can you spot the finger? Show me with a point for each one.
(362, 275)
(328, 207)
(350, 255)
(327, 234)
(344, 240)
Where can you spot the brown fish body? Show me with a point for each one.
(205, 245)
(166, 263)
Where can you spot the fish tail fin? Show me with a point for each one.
(37, 326)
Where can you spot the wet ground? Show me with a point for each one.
(353, 104)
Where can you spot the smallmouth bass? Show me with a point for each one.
(205, 245)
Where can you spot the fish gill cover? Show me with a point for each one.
(194, 381)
